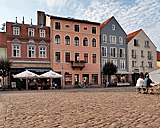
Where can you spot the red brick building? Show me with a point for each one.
(28, 47)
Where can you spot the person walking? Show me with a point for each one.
(139, 83)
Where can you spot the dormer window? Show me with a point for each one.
(30, 31)
(113, 27)
(16, 31)
(42, 33)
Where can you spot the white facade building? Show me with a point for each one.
(142, 56)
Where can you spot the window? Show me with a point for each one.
(93, 42)
(142, 54)
(42, 52)
(85, 41)
(104, 61)
(16, 50)
(134, 63)
(149, 64)
(93, 30)
(31, 51)
(121, 53)
(77, 57)
(113, 27)
(42, 33)
(30, 31)
(104, 51)
(120, 40)
(147, 44)
(57, 25)
(136, 42)
(57, 57)
(85, 28)
(94, 58)
(95, 78)
(122, 64)
(113, 52)
(16, 31)
(57, 39)
(113, 39)
(149, 55)
(67, 40)
(142, 63)
(76, 41)
(113, 61)
(104, 38)
(134, 54)
(86, 57)
(76, 28)
(67, 56)
(67, 26)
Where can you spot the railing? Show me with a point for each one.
(134, 56)
(78, 64)
(150, 57)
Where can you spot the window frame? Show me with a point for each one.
(111, 39)
(42, 33)
(113, 61)
(94, 30)
(57, 40)
(123, 52)
(16, 45)
(75, 41)
(113, 27)
(57, 25)
(42, 51)
(104, 61)
(32, 46)
(105, 49)
(94, 43)
(76, 27)
(75, 58)
(92, 58)
(122, 64)
(111, 52)
(67, 56)
(16, 30)
(87, 57)
(31, 32)
(104, 40)
(85, 41)
(67, 40)
(120, 40)
(59, 57)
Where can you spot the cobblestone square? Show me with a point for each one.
(79, 108)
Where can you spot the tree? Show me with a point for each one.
(109, 69)
(5, 66)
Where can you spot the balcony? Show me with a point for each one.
(78, 64)
(134, 56)
(150, 57)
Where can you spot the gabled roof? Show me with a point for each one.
(105, 22)
(132, 35)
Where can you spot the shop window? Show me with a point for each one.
(68, 79)
(94, 78)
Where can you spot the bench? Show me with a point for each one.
(153, 87)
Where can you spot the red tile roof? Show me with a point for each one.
(133, 34)
(105, 22)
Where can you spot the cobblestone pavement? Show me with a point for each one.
(80, 108)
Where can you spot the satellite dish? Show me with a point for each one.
(3, 24)
(3, 28)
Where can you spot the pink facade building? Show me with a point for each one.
(75, 49)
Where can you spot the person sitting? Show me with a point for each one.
(147, 82)
(139, 83)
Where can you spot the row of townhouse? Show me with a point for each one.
(78, 49)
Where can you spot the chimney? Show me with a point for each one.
(23, 20)
(16, 19)
(31, 21)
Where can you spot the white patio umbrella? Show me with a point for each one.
(25, 75)
(50, 74)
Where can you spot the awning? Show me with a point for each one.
(39, 69)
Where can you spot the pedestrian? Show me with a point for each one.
(139, 83)
(147, 82)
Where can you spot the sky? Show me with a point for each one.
(132, 15)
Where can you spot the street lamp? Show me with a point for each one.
(62, 72)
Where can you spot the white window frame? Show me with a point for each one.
(123, 53)
(122, 64)
(105, 48)
(104, 38)
(31, 30)
(78, 59)
(96, 58)
(65, 56)
(55, 56)
(121, 40)
(111, 39)
(31, 51)
(88, 56)
(43, 51)
(115, 52)
(16, 30)
(42, 33)
(16, 45)
(103, 62)
(114, 61)
(113, 27)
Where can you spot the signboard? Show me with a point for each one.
(13, 84)
(135, 70)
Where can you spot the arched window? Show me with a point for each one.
(93, 42)
(57, 39)
(67, 40)
(85, 41)
(76, 41)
